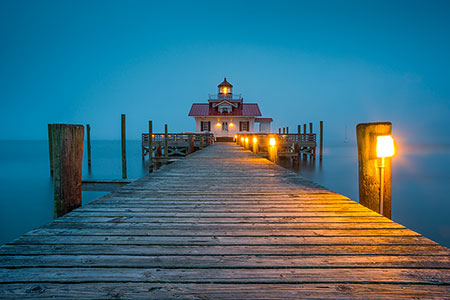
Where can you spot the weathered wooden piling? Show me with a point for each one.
(200, 146)
(255, 144)
(150, 146)
(279, 130)
(321, 140)
(166, 141)
(369, 167)
(88, 138)
(67, 156)
(272, 148)
(50, 148)
(287, 130)
(124, 148)
(191, 143)
(284, 130)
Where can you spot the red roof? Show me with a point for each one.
(204, 109)
(263, 120)
(225, 83)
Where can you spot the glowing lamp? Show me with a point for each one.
(235, 136)
(272, 141)
(218, 124)
(255, 140)
(385, 146)
(242, 139)
(231, 124)
(224, 90)
(246, 140)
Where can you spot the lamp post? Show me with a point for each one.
(385, 148)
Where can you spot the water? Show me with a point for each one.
(26, 189)
(420, 182)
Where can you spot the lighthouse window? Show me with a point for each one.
(206, 126)
(244, 126)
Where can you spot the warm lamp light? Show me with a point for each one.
(218, 124)
(235, 136)
(231, 124)
(242, 139)
(224, 90)
(272, 141)
(385, 146)
(255, 140)
(246, 140)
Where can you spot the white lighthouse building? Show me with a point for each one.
(226, 114)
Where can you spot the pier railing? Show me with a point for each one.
(285, 145)
(175, 144)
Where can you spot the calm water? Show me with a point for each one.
(420, 182)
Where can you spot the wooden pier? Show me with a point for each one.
(223, 223)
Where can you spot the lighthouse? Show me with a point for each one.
(226, 114)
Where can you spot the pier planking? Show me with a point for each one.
(223, 223)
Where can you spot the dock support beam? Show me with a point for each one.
(150, 146)
(67, 153)
(124, 148)
(369, 168)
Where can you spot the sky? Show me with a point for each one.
(343, 62)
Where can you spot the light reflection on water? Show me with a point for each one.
(420, 182)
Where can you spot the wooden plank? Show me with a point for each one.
(236, 262)
(221, 240)
(221, 250)
(211, 275)
(145, 291)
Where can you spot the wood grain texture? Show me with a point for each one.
(223, 223)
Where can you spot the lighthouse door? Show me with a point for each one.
(225, 127)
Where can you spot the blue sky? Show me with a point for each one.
(343, 62)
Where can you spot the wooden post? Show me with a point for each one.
(150, 146)
(299, 139)
(304, 148)
(166, 142)
(310, 127)
(255, 143)
(124, 149)
(284, 130)
(67, 152)
(369, 167)
(88, 137)
(190, 144)
(272, 149)
(50, 148)
(159, 150)
(321, 141)
(279, 130)
(287, 130)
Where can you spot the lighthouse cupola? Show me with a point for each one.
(225, 90)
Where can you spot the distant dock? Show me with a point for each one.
(223, 223)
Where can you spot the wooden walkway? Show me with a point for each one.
(223, 224)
